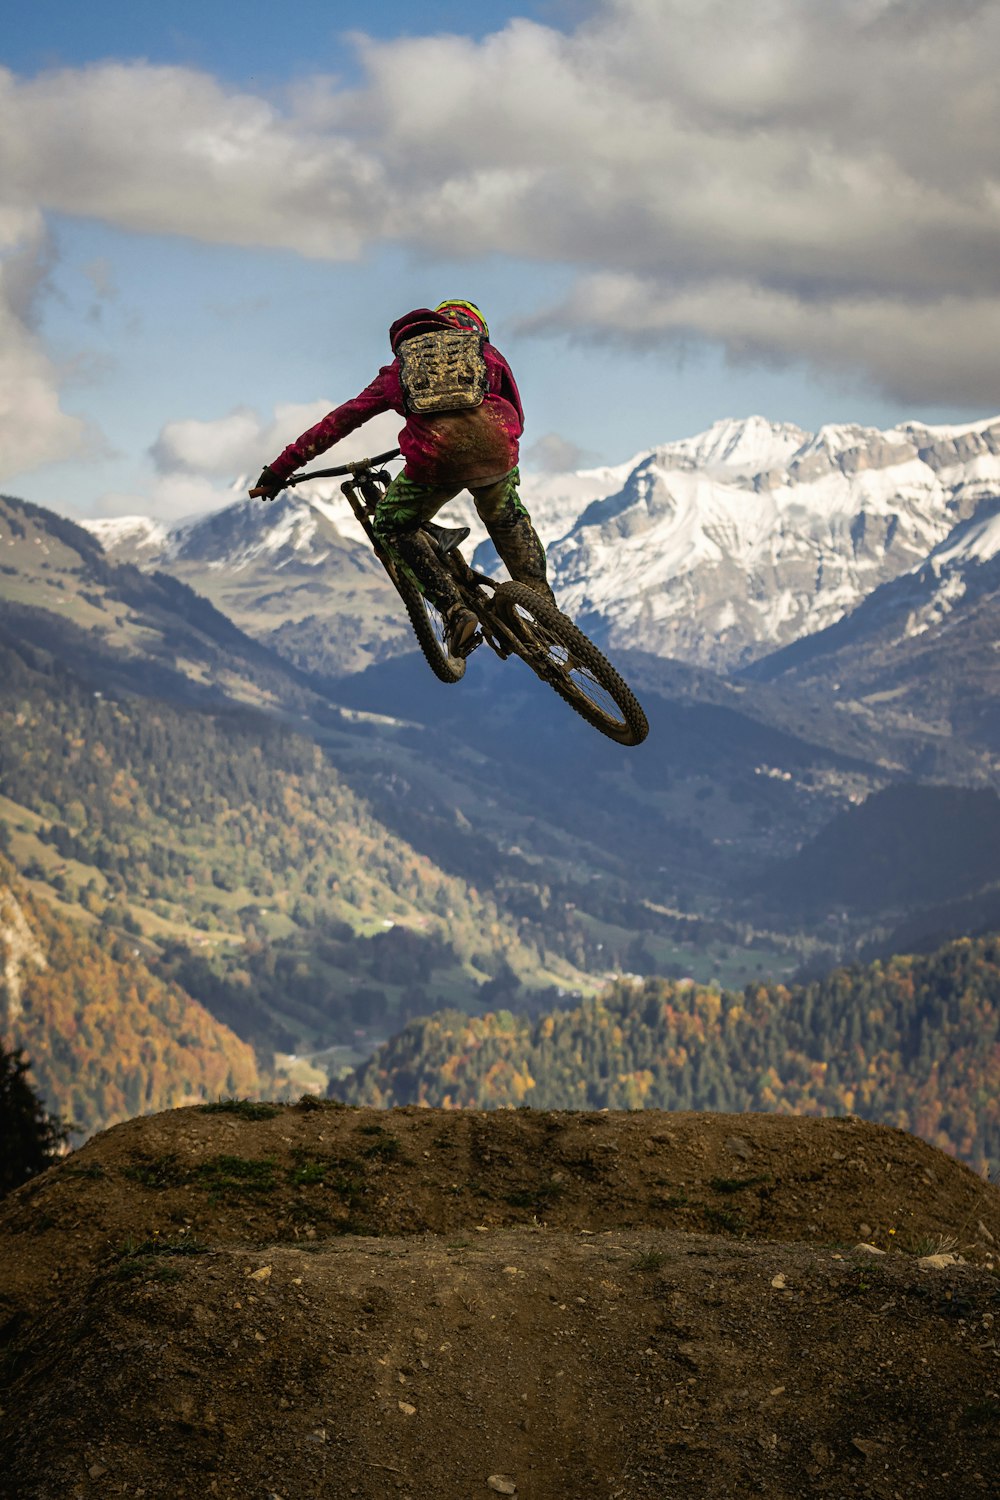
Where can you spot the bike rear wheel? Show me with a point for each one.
(560, 654)
(428, 627)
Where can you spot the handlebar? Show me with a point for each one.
(354, 468)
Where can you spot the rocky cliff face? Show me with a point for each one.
(19, 949)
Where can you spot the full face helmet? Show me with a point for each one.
(465, 314)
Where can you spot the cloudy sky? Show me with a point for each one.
(672, 211)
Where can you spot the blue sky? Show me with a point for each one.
(270, 41)
(670, 213)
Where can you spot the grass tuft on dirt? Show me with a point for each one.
(244, 1109)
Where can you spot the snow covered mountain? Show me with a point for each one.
(299, 573)
(720, 548)
(921, 650)
(716, 549)
(293, 528)
(939, 595)
(296, 573)
(304, 527)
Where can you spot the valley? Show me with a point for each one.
(218, 746)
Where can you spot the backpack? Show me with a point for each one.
(443, 370)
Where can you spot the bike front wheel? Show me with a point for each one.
(560, 654)
(428, 627)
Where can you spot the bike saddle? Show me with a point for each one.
(445, 538)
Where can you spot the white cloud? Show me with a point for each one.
(169, 150)
(802, 181)
(911, 351)
(34, 430)
(203, 466)
(554, 454)
(170, 497)
(224, 447)
(240, 443)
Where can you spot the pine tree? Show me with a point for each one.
(30, 1138)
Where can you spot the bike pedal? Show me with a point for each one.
(463, 633)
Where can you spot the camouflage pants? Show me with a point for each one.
(406, 505)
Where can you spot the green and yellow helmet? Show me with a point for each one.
(466, 314)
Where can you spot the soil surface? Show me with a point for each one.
(304, 1301)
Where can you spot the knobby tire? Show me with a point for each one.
(560, 654)
(446, 668)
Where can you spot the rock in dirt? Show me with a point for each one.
(869, 1447)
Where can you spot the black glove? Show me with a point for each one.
(268, 486)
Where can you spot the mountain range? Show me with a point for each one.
(722, 548)
(717, 550)
(921, 648)
(891, 538)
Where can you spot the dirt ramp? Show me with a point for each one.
(303, 1173)
(251, 1301)
(631, 1365)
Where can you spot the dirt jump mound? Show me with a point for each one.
(270, 1302)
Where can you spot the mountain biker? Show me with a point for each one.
(463, 420)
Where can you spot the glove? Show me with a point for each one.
(268, 486)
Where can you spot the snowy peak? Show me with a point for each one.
(726, 546)
(130, 538)
(292, 530)
(764, 454)
(961, 442)
(963, 567)
(557, 500)
(249, 531)
(732, 448)
(975, 541)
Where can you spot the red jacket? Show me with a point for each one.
(438, 447)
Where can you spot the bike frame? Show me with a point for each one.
(364, 487)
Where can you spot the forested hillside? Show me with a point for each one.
(107, 1038)
(200, 815)
(914, 1042)
(907, 845)
(227, 847)
(207, 813)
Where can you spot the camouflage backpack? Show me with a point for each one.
(443, 370)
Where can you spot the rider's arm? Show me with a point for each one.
(375, 398)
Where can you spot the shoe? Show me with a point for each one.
(462, 630)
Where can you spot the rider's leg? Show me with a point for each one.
(509, 525)
(398, 517)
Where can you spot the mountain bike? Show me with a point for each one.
(514, 620)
